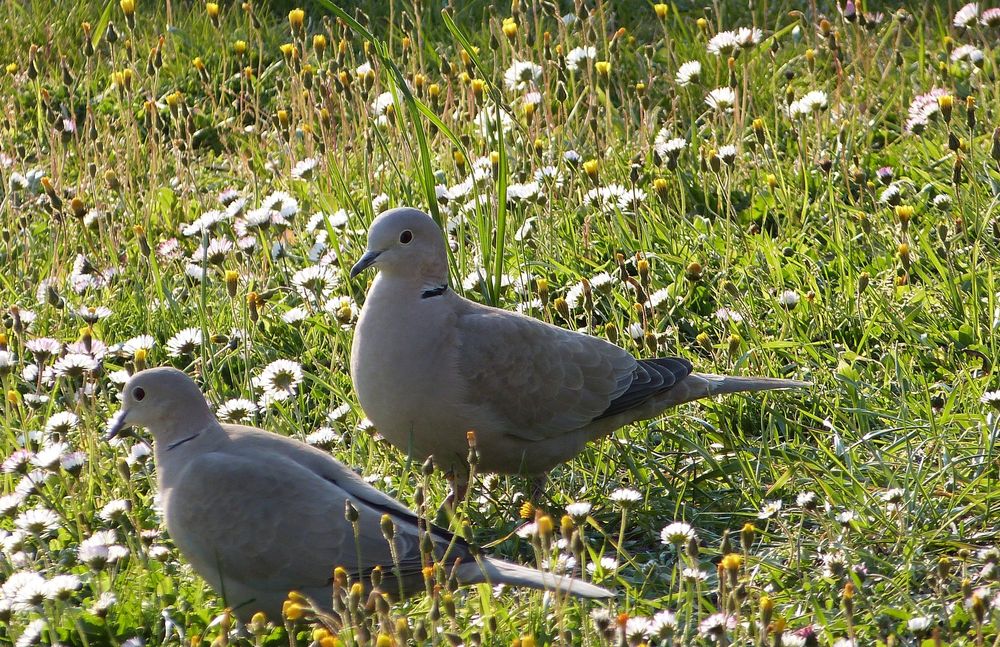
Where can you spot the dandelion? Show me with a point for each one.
(721, 99)
(724, 43)
(184, 342)
(279, 380)
(966, 15)
(688, 73)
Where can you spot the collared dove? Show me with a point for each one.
(429, 366)
(258, 514)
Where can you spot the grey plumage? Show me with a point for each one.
(258, 514)
(429, 366)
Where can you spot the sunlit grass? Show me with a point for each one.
(808, 195)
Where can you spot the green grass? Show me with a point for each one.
(107, 155)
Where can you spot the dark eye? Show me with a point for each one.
(406, 236)
(138, 393)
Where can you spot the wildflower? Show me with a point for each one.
(666, 146)
(688, 73)
(43, 347)
(789, 299)
(966, 15)
(625, 497)
(73, 462)
(279, 201)
(727, 154)
(62, 587)
(137, 453)
(941, 201)
(922, 108)
(41, 522)
(142, 342)
(9, 504)
(93, 314)
(32, 633)
(811, 103)
(74, 365)
(115, 510)
(663, 625)
(184, 342)
(578, 511)
(715, 626)
(990, 17)
(49, 457)
(214, 253)
(724, 43)
(749, 36)
(522, 75)
(806, 500)
(991, 398)
(578, 55)
(721, 99)
(279, 379)
(677, 534)
(769, 509)
(303, 169)
(969, 53)
(919, 624)
(100, 550)
(204, 223)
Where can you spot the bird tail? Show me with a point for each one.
(495, 571)
(704, 385)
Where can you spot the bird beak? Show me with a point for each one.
(364, 262)
(116, 424)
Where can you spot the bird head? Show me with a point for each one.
(406, 242)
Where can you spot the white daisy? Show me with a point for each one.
(966, 15)
(789, 299)
(688, 73)
(677, 533)
(769, 509)
(625, 497)
(721, 99)
(724, 43)
(39, 521)
(578, 55)
(185, 342)
(522, 75)
(142, 342)
(74, 365)
(279, 379)
(303, 169)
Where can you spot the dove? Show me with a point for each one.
(259, 515)
(429, 366)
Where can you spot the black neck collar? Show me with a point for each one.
(434, 292)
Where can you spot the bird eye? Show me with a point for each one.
(138, 393)
(406, 237)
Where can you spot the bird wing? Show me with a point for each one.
(272, 525)
(534, 380)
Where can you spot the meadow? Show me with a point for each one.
(804, 192)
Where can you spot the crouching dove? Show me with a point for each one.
(258, 514)
(429, 366)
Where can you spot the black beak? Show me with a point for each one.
(364, 263)
(115, 425)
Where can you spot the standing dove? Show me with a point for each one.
(258, 514)
(429, 366)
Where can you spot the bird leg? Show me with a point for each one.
(538, 482)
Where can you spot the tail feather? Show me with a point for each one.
(705, 385)
(495, 571)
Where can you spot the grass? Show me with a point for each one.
(848, 238)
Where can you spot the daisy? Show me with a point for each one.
(93, 314)
(688, 73)
(73, 462)
(285, 205)
(9, 504)
(992, 398)
(969, 53)
(115, 510)
(323, 437)
(625, 497)
(304, 168)
(521, 75)
(236, 410)
(990, 17)
(142, 342)
(966, 15)
(380, 202)
(100, 550)
(769, 509)
(279, 379)
(137, 454)
(74, 365)
(184, 342)
(62, 423)
(41, 522)
(919, 624)
(520, 192)
(663, 625)
(724, 43)
(43, 347)
(215, 253)
(295, 315)
(727, 154)
(315, 282)
(677, 533)
(578, 56)
(715, 626)
(721, 99)
(789, 299)
(62, 587)
(578, 510)
(343, 308)
(749, 36)
(922, 108)
(49, 457)
(203, 224)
